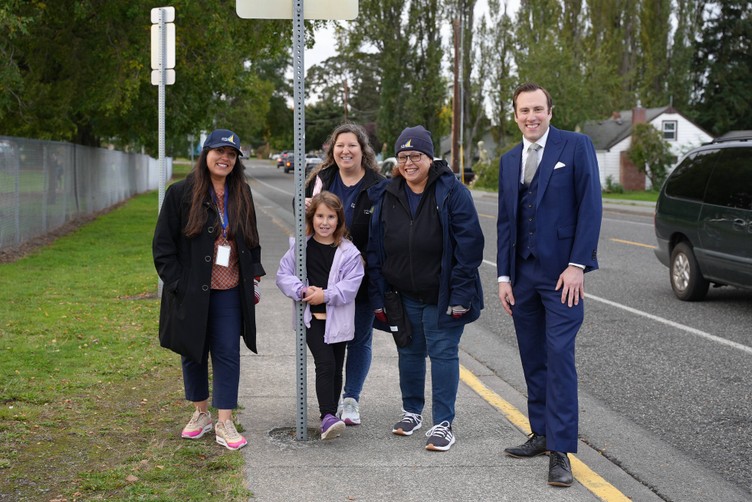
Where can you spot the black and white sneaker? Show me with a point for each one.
(440, 437)
(410, 423)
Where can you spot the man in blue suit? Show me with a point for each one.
(548, 226)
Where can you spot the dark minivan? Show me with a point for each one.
(703, 218)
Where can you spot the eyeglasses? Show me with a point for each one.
(414, 158)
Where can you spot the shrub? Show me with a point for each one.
(612, 186)
(486, 176)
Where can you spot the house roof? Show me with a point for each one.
(607, 133)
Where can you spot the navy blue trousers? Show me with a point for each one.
(223, 333)
(546, 331)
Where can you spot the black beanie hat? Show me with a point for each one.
(415, 138)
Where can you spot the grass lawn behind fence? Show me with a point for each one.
(90, 406)
(639, 195)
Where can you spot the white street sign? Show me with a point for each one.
(312, 9)
(169, 77)
(167, 12)
(170, 45)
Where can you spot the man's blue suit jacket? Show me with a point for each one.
(569, 205)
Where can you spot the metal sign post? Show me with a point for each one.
(163, 73)
(298, 69)
(313, 9)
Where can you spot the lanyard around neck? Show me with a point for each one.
(223, 218)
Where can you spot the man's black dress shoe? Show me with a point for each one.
(559, 470)
(533, 447)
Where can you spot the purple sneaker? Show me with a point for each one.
(331, 427)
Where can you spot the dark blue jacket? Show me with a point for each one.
(462, 245)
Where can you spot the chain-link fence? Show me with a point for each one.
(45, 184)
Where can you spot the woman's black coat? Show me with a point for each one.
(185, 266)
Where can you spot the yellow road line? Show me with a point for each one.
(584, 474)
(649, 246)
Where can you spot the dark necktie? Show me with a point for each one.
(531, 164)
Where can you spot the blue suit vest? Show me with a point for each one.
(526, 218)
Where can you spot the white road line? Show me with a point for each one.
(256, 180)
(683, 327)
(688, 329)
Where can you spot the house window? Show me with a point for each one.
(669, 130)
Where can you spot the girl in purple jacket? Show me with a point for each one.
(334, 271)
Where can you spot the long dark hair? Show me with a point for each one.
(369, 157)
(240, 208)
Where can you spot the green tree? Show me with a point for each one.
(321, 119)
(497, 57)
(85, 72)
(380, 26)
(680, 78)
(650, 153)
(426, 85)
(13, 25)
(653, 63)
(344, 87)
(550, 56)
(723, 65)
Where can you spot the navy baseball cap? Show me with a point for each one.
(223, 137)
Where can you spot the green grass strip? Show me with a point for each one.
(90, 406)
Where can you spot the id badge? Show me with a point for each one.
(223, 256)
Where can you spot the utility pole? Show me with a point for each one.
(346, 92)
(456, 100)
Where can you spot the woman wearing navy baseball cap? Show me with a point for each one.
(206, 251)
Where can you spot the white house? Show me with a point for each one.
(613, 136)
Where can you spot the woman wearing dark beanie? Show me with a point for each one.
(426, 244)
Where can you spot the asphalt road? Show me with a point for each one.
(665, 385)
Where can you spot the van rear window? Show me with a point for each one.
(730, 184)
(689, 179)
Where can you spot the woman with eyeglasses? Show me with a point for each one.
(426, 244)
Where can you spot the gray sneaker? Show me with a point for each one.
(440, 437)
(350, 411)
(339, 410)
(410, 423)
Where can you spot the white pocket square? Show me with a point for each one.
(559, 165)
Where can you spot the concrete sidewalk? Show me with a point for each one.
(368, 462)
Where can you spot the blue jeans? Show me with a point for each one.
(223, 332)
(441, 345)
(359, 351)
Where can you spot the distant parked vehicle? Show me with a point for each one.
(289, 162)
(387, 165)
(703, 218)
(311, 162)
(282, 158)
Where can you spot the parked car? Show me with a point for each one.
(703, 218)
(282, 158)
(311, 162)
(289, 162)
(469, 175)
(387, 165)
